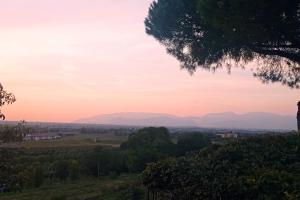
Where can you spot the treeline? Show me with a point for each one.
(186, 167)
(260, 167)
(115, 131)
(13, 133)
(29, 168)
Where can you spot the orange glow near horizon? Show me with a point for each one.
(67, 59)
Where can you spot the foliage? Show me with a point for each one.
(8, 171)
(132, 192)
(74, 169)
(102, 162)
(5, 98)
(192, 141)
(147, 145)
(13, 133)
(223, 33)
(59, 197)
(138, 159)
(255, 168)
(38, 175)
(61, 169)
(148, 137)
(34, 167)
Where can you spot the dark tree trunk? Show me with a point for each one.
(298, 116)
(98, 170)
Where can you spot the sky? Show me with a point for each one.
(68, 59)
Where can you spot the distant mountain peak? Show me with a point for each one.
(252, 120)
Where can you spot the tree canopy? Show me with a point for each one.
(14, 133)
(191, 142)
(148, 137)
(224, 33)
(5, 98)
(261, 167)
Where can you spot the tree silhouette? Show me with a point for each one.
(5, 98)
(212, 34)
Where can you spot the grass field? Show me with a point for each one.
(85, 189)
(78, 140)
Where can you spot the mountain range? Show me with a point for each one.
(255, 120)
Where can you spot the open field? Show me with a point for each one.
(85, 189)
(77, 140)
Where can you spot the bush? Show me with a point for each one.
(138, 159)
(59, 197)
(255, 168)
(103, 162)
(61, 169)
(38, 175)
(74, 170)
(132, 193)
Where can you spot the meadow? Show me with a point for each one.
(85, 189)
(75, 140)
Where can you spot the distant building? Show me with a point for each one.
(31, 137)
(228, 135)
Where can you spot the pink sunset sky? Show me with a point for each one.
(67, 59)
